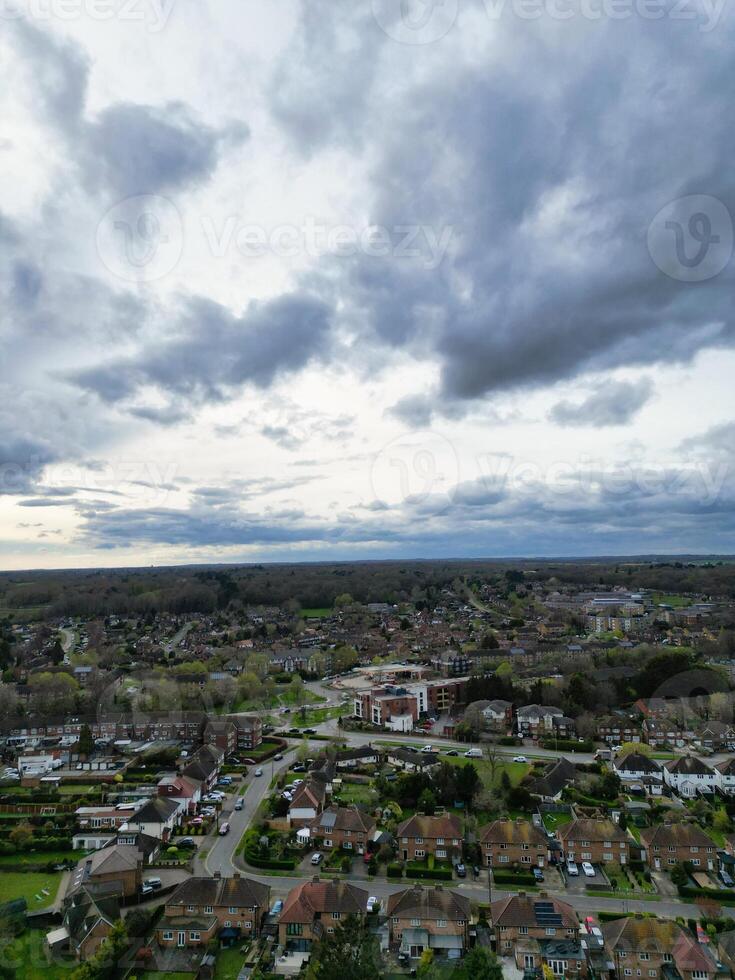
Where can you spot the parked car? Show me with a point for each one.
(186, 842)
(726, 879)
(224, 829)
(572, 869)
(238, 803)
(310, 731)
(317, 858)
(146, 890)
(197, 821)
(373, 904)
(298, 768)
(588, 869)
(461, 871)
(155, 883)
(538, 874)
(519, 758)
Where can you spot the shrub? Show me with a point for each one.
(394, 871)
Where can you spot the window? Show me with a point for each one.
(336, 915)
(347, 845)
(440, 840)
(441, 852)
(699, 975)
(232, 910)
(550, 931)
(168, 936)
(415, 922)
(247, 924)
(419, 840)
(522, 930)
(628, 972)
(191, 908)
(194, 937)
(228, 923)
(644, 956)
(327, 843)
(419, 854)
(653, 973)
(209, 908)
(294, 929)
(503, 859)
(330, 928)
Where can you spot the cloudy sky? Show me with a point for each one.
(297, 280)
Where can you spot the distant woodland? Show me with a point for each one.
(55, 594)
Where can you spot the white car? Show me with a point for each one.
(297, 782)
(428, 748)
(258, 772)
(373, 904)
(572, 869)
(519, 758)
(588, 869)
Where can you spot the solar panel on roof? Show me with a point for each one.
(546, 914)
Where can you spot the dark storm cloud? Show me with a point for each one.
(613, 403)
(128, 149)
(215, 353)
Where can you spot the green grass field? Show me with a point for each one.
(26, 954)
(516, 770)
(314, 716)
(229, 964)
(356, 793)
(28, 884)
(38, 857)
(552, 821)
(319, 613)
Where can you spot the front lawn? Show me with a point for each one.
(355, 793)
(27, 885)
(315, 716)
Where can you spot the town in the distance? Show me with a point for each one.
(462, 770)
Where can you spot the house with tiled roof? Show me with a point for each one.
(421, 835)
(539, 929)
(689, 776)
(655, 947)
(599, 841)
(307, 802)
(429, 918)
(314, 909)
(549, 786)
(87, 922)
(365, 755)
(347, 827)
(726, 771)
(205, 766)
(182, 789)
(508, 842)
(159, 817)
(669, 844)
(115, 870)
(204, 908)
(636, 765)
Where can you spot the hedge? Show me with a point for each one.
(722, 895)
(509, 878)
(394, 871)
(567, 744)
(266, 863)
(435, 874)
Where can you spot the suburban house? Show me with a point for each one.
(536, 720)
(636, 766)
(315, 908)
(597, 841)
(205, 908)
(429, 918)
(157, 818)
(411, 760)
(689, 776)
(726, 771)
(249, 731)
(307, 803)
(343, 826)
(549, 785)
(181, 789)
(513, 842)
(419, 836)
(498, 715)
(205, 765)
(87, 922)
(104, 817)
(115, 870)
(658, 948)
(670, 844)
(538, 930)
(365, 755)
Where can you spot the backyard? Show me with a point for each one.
(28, 885)
(26, 954)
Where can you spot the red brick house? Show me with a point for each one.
(420, 835)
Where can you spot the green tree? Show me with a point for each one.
(349, 952)
(85, 746)
(478, 964)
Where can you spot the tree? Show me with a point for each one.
(85, 746)
(427, 803)
(628, 747)
(478, 964)
(21, 835)
(349, 952)
(468, 783)
(52, 694)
